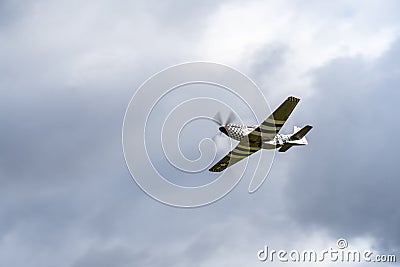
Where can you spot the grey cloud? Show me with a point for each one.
(348, 182)
(116, 256)
(11, 12)
(268, 59)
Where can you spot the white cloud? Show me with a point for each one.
(313, 34)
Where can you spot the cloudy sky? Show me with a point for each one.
(69, 69)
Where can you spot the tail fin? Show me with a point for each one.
(299, 134)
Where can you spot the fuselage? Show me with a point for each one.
(238, 132)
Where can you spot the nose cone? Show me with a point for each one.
(223, 130)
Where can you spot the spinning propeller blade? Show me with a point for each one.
(230, 119)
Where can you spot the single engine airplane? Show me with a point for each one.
(264, 136)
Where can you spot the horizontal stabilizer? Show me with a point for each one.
(301, 133)
(285, 147)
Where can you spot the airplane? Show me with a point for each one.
(265, 136)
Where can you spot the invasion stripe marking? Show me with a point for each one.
(272, 124)
(268, 127)
(271, 120)
(241, 152)
(248, 147)
(238, 156)
(262, 127)
(269, 131)
(258, 133)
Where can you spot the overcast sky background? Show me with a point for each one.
(69, 68)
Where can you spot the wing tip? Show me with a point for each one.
(293, 99)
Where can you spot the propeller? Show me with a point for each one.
(220, 121)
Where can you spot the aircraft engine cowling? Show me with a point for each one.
(235, 131)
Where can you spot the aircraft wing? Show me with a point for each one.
(273, 124)
(241, 151)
